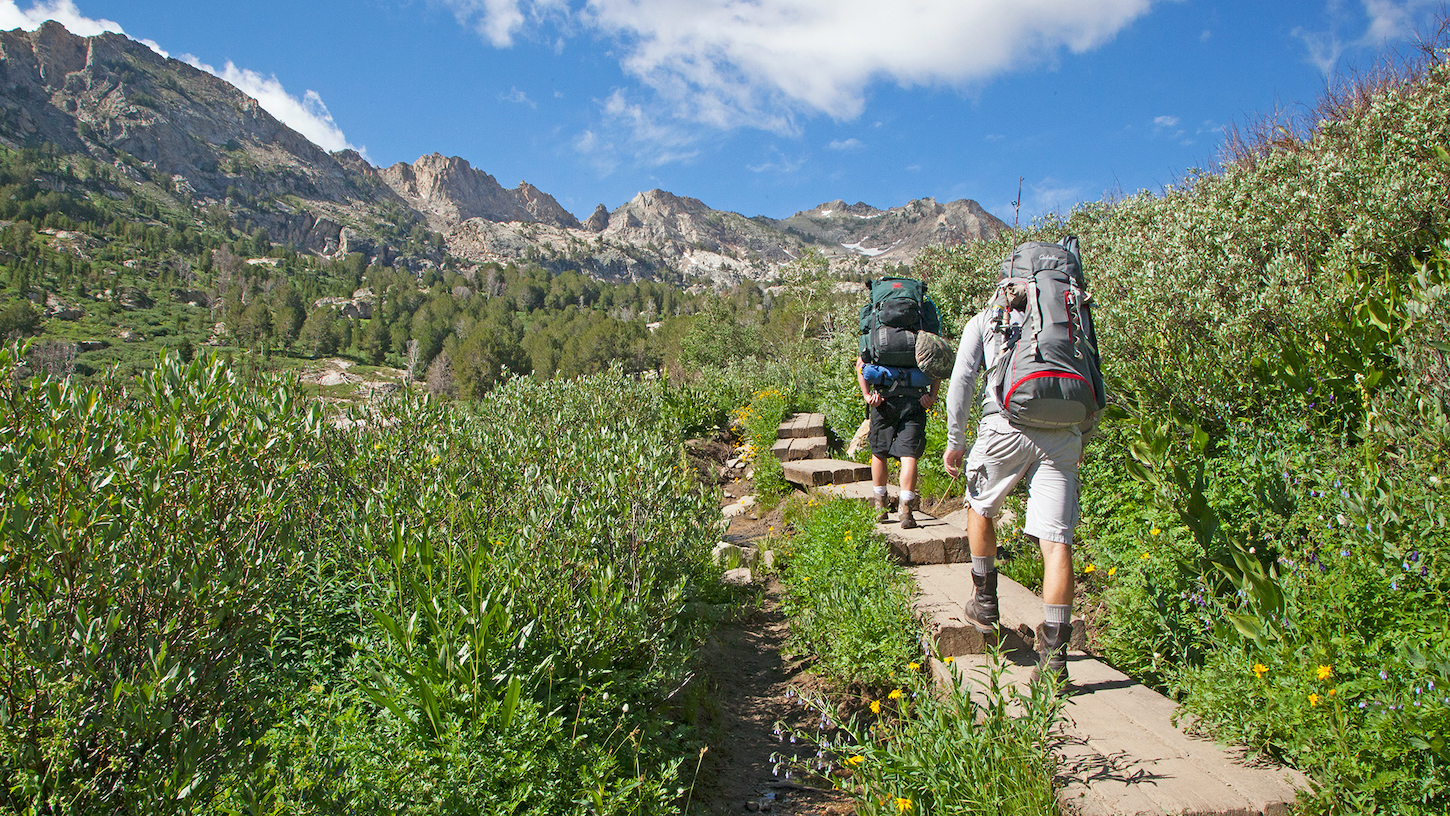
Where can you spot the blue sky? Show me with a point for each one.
(774, 106)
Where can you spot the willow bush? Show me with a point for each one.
(216, 600)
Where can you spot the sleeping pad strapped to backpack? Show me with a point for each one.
(1049, 375)
(899, 308)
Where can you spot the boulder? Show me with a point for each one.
(740, 576)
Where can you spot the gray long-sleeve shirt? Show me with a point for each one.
(977, 353)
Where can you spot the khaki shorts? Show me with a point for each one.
(1003, 454)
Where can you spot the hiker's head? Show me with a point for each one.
(1014, 289)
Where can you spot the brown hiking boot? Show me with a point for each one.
(908, 521)
(882, 503)
(981, 610)
(1052, 640)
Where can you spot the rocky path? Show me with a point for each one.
(1122, 751)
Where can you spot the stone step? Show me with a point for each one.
(942, 591)
(933, 542)
(802, 425)
(817, 472)
(790, 449)
(1122, 754)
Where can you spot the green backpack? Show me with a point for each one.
(898, 310)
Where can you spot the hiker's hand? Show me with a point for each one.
(952, 461)
(927, 400)
(874, 399)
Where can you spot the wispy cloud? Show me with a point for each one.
(1323, 48)
(765, 63)
(628, 129)
(849, 144)
(1161, 122)
(1383, 21)
(778, 162)
(307, 115)
(518, 97)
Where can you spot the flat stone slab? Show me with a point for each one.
(791, 449)
(933, 542)
(942, 592)
(1121, 754)
(859, 490)
(802, 425)
(818, 472)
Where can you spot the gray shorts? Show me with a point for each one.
(1004, 453)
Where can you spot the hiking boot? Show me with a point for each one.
(908, 521)
(981, 610)
(882, 503)
(1052, 640)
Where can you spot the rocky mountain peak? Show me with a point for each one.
(448, 190)
(838, 207)
(598, 220)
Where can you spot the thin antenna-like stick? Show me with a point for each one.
(1017, 205)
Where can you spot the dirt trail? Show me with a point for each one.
(749, 679)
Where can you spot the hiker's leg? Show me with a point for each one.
(982, 536)
(908, 473)
(1058, 581)
(879, 470)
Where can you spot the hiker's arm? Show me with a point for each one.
(929, 399)
(970, 360)
(867, 395)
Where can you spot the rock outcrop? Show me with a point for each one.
(448, 191)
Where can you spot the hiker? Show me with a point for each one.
(897, 392)
(1034, 343)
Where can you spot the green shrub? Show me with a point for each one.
(849, 604)
(977, 747)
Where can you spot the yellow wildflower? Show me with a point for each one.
(1155, 531)
(1145, 556)
(1090, 569)
(902, 804)
(855, 760)
(875, 706)
(895, 694)
(1260, 670)
(950, 660)
(913, 665)
(1314, 699)
(1112, 571)
(1331, 692)
(1324, 672)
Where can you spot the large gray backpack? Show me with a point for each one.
(1049, 374)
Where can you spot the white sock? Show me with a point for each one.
(880, 490)
(1060, 614)
(907, 496)
(983, 564)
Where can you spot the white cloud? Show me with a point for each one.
(1323, 48)
(762, 63)
(518, 97)
(1384, 21)
(849, 144)
(308, 115)
(779, 163)
(1165, 121)
(1391, 20)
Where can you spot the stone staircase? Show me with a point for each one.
(1122, 753)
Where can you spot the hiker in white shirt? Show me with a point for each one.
(1002, 455)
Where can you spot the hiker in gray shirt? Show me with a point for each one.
(1005, 453)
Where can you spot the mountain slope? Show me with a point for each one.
(191, 139)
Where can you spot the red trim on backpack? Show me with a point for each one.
(1007, 400)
